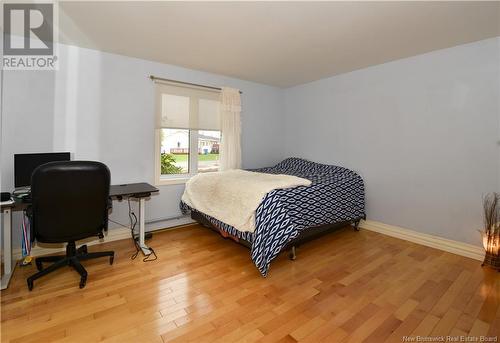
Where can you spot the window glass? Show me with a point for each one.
(174, 151)
(208, 150)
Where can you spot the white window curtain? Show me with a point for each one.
(230, 119)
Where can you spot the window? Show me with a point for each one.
(187, 132)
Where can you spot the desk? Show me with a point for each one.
(8, 268)
(139, 191)
(8, 264)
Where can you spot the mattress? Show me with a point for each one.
(335, 195)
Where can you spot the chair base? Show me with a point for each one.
(72, 258)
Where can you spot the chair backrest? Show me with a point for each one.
(69, 200)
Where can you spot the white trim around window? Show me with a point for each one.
(202, 113)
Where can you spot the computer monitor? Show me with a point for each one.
(25, 164)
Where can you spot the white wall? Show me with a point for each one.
(422, 131)
(100, 106)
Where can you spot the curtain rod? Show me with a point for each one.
(152, 77)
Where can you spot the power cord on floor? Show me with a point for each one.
(133, 222)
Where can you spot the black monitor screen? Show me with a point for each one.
(24, 164)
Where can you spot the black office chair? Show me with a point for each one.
(70, 202)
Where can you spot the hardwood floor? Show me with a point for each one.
(346, 287)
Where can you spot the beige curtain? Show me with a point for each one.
(230, 109)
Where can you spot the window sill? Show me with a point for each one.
(172, 181)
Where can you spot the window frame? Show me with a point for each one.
(194, 94)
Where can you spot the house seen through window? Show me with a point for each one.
(175, 150)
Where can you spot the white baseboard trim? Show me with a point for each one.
(455, 247)
(114, 234)
(168, 223)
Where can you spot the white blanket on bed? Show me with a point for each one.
(233, 196)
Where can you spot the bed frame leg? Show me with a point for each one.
(292, 254)
(356, 224)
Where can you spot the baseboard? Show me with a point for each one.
(114, 234)
(455, 247)
(172, 222)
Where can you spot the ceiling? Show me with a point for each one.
(277, 43)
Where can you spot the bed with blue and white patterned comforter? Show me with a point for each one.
(335, 195)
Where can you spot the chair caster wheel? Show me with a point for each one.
(39, 265)
(111, 259)
(30, 285)
(83, 281)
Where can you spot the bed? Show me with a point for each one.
(288, 217)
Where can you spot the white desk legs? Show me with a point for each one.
(142, 228)
(7, 248)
